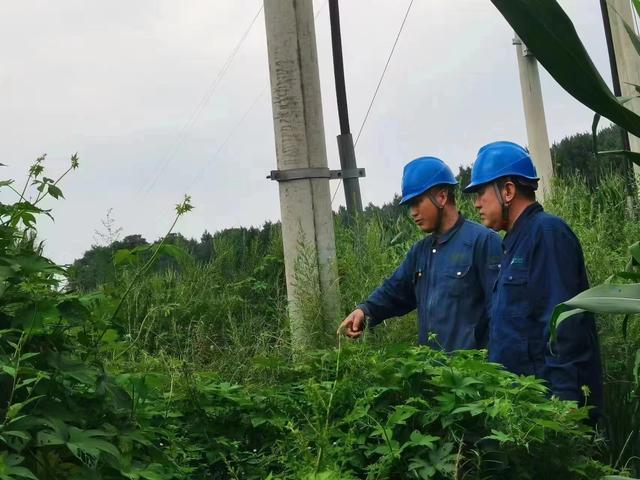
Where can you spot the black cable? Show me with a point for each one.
(375, 93)
(383, 72)
(203, 102)
(241, 121)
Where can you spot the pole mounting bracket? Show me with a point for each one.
(525, 50)
(304, 173)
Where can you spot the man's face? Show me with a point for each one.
(488, 205)
(424, 212)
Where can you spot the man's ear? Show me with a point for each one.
(443, 196)
(509, 191)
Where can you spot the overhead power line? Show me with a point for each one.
(375, 93)
(200, 174)
(211, 89)
(241, 121)
(244, 116)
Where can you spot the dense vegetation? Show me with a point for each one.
(177, 366)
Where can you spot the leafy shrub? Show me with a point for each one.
(61, 414)
(359, 412)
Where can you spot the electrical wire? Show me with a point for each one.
(211, 89)
(375, 93)
(200, 174)
(242, 119)
(245, 115)
(404, 20)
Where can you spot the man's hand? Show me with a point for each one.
(353, 325)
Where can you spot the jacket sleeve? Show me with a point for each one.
(396, 296)
(558, 274)
(487, 261)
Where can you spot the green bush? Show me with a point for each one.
(360, 412)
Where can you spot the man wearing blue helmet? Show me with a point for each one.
(542, 266)
(448, 276)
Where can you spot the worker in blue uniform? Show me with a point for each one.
(447, 276)
(542, 265)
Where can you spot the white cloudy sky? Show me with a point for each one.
(129, 86)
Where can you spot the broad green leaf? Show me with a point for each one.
(34, 263)
(636, 4)
(90, 442)
(165, 249)
(15, 439)
(421, 440)
(10, 467)
(72, 367)
(608, 298)
(174, 252)
(401, 414)
(123, 256)
(561, 313)
(17, 433)
(55, 192)
(15, 408)
(49, 438)
(549, 33)
(605, 298)
(500, 436)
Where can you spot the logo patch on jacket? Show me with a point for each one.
(458, 259)
(517, 261)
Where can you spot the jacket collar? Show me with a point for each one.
(443, 238)
(521, 224)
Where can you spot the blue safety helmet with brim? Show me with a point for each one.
(502, 159)
(423, 173)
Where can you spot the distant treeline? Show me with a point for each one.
(242, 246)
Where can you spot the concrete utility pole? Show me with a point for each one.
(627, 60)
(350, 172)
(303, 175)
(537, 135)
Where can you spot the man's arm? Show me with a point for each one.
(396, 295)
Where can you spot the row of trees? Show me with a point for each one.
(572, 155)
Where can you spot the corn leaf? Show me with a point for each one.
(605, 298)
(548, 32)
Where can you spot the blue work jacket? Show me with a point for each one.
(449, 279)
(542, 266)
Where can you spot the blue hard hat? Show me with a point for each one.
(501, 159)
(421, 174)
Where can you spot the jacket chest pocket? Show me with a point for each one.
(457, 280)
(515, 292)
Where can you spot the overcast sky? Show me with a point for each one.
(134, 87)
